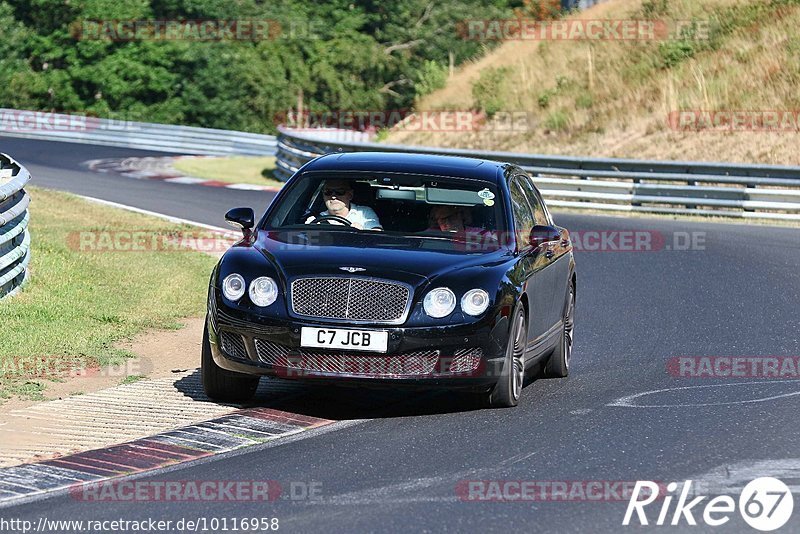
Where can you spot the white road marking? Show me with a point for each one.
(252, 187)
(518, 458)
(185, 180)
(236, 430)
(628, 401)
(394, 493)
(170, 218)
(161, 168)
(140, 175)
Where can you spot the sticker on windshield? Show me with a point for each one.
(488, 201)
(485, 194)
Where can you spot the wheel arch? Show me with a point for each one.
(525, 306)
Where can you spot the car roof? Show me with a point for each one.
(454, 166)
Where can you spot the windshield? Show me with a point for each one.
(412, 206)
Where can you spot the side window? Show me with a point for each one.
(523, 216)
(535, 199)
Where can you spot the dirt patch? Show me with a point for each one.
(159, 354)
(102, 408)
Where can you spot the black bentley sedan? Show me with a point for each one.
(394, 269)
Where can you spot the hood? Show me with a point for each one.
(410, 260)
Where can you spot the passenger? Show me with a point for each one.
(451, 219)
(456, 220)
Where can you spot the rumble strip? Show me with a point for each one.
(236, 430)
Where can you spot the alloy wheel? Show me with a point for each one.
(569, 325)
(518, 358)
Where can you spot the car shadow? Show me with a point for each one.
(344, 403)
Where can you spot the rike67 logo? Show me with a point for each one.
(765, 504)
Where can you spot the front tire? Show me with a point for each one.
(507, 391)
(222, 385)
(558, 365)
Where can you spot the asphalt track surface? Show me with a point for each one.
(396, 467)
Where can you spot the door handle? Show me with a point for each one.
(550, 253)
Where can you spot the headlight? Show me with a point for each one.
(439, 302)
(475, 301)
(233, 287)
(263, 291)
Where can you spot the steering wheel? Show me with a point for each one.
(328, 218)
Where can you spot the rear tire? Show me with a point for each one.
(222, 385)
(507, 391)
(558, 365)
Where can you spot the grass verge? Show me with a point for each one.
(78, 305)
(234, 170)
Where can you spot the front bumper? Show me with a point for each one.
(467, 356)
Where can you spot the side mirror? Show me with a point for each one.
(541, 234)
(242, 218)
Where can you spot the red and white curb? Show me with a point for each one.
(234, 431)
(162, 169)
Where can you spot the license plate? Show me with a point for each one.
(337, 338)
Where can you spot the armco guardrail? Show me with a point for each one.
(15, 240)
(717, 189)
(139, 135)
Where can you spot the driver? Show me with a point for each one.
(338, 196)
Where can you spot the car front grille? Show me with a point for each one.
(355, 299)
(233, 345)
(406, 364)
(416, 363)
(465, 361)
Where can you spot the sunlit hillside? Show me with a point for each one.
(615, 98)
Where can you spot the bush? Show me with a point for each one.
(673, 52)
(584, 101)
(488, 88)
(557, 120)
(654, 8)
(544, 98)
(432, 76)
(339, 56)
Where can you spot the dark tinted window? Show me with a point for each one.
(523, 215)
(441, 209)
(535, 200)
